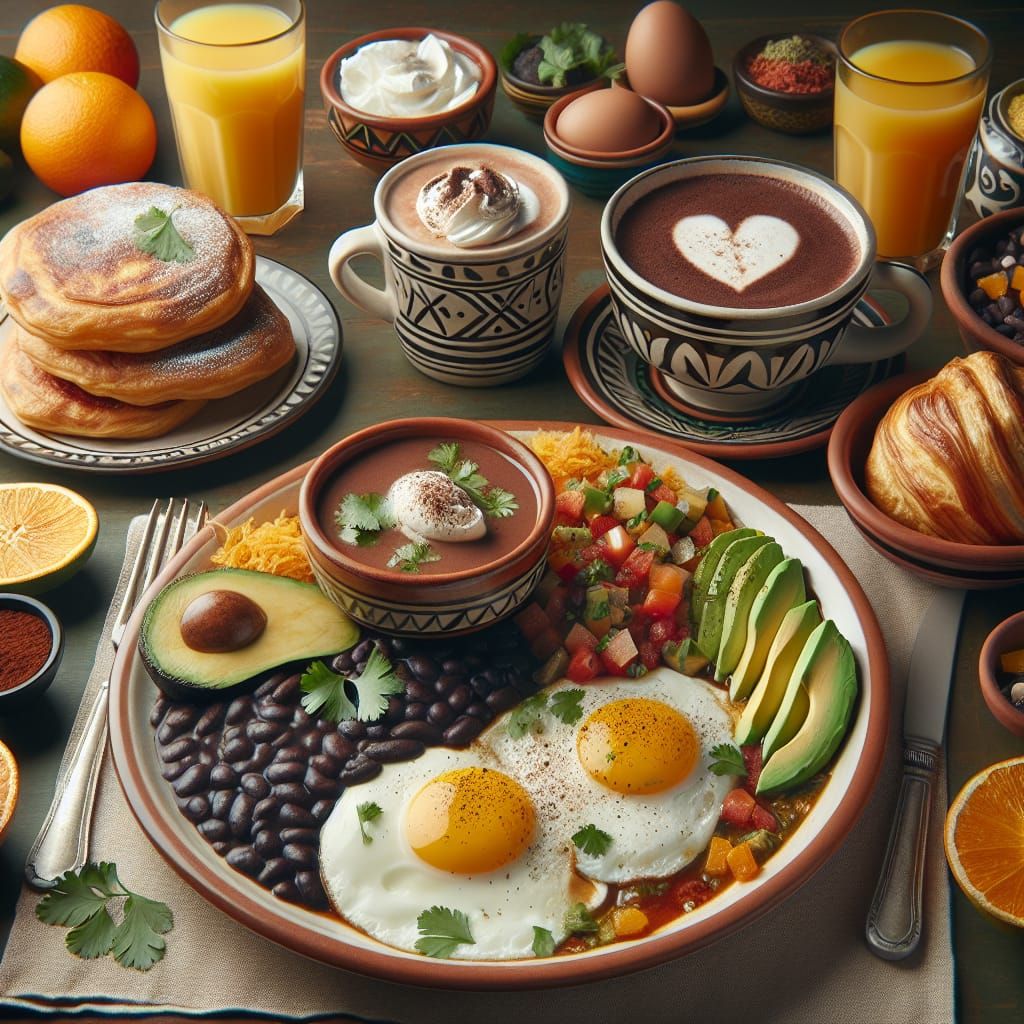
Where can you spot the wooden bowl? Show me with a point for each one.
(972, 566)
(378, 142)
(977, 334)
(792, 113)
(1007, 636)
(435, 603)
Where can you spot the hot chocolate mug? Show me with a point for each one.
(737, 361)
(469, 316)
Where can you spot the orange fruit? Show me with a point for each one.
(87, 129)
(73, 37)
(984, 840)
(8, 787)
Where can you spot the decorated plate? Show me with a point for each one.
(625, 391)
(327, 938)
(225, 425)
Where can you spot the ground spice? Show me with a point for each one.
(1015, 115)
(25, 643)
(793, 65)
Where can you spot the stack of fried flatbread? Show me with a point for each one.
(120, 333)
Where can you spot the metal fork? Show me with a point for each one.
(63, 841)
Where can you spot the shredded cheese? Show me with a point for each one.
(572, 455)
(275, 547)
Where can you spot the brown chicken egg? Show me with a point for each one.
(668, 56)
(608, 121)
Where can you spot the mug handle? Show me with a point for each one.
(364, 241)
(864, 344)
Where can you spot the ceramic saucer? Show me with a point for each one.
(625, 391)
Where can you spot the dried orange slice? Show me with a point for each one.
(984, 839)
(46, 534)
(8, 787)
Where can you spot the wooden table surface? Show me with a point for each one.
(376, 382)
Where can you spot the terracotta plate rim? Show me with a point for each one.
(237, 902)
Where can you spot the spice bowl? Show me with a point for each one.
(600, 174)
(378, 142)
(792, 113)
(469, 585)
(28, 653)
(1007, 636)
(534, 100)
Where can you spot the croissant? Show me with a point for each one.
(948, 456)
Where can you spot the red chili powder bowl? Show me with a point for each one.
(31, 646)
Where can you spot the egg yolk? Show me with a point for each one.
(637, 745)
(470, 821)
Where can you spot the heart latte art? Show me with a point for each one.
(758, 246)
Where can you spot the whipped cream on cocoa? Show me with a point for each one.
(474, 206)
(406, 78)
(428, 505)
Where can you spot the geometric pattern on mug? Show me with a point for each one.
(476, 275)
(747, 372)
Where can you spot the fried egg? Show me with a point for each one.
(455, 830)
(637, 766)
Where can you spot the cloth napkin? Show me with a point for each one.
(803, 961)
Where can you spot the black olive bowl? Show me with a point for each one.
(24, 693)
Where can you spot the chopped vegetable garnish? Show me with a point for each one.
(324, 691)
(728, 760)
(579, 920)
(565, 706)
(156, 235)
(592, 840)
(543, 941)
(361, 517)
(409, 557)
(367, 812)
(464, 473)
(442, 931)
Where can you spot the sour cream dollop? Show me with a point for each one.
(474, 206)
(403, 78)
(428, 506)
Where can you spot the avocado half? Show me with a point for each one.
(301, 624)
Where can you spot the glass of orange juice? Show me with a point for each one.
(909, 91)
(235, 75)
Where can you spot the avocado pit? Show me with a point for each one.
(221, 621)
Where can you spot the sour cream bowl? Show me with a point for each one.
(410, 581)
(376, 141)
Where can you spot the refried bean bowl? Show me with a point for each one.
(414, 584)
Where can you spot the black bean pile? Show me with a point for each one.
(258, 776)
(1005, 313)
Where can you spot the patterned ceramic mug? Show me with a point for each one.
(996, 178)
(737, 361)
(467, 316)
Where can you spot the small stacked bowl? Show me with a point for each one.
(599, 174)
(947, 563)
(379, 142)
(1007, 636)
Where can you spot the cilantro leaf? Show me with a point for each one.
(579, 920)
(367, 812)
(409, 557)
(527, 715)
(377, 681)
(82, 899)
(156, 234)
(464, 473)
(324, 694)
(543, 941)
(442, 930)
(565, 706)
(598, 571)
(592, 840)
(360, 517)
(728, 760)
(138, 940)
(513, 48)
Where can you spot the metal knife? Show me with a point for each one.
(894, 919)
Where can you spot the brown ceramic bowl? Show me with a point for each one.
(792, 113)
(977, 334)
(435, 603)
(1007, 636)
(957, 565)
(378, 142)
(696, 114)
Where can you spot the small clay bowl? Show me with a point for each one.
(792, 113)
(379, 142)
(600, 174)
(953, 278)
(18, 696)
(534, 100)
(696, 114)
(971, 566)
(1007, 636)
(436, 603)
